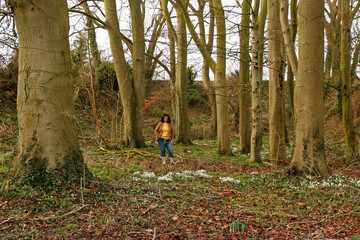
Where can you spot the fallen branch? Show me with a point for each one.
(64, 215)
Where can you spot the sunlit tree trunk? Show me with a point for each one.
(347, 117)
(47, 147)
(244, 80)
(309, 153)
(131, 88)
(182, 119)
(276, 84)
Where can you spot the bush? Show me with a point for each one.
(106, 76)
(194, 96)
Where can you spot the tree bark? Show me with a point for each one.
(276, 85)
(218, 69)
(131, 88)
(47, 150)
(181, 106)
(96, 59)
(172, 40)
(205, 69)
(220, 82)
(244, 80)
(256, 78)
(347, 116)
(309, 153)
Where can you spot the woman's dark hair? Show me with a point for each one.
(166, 115)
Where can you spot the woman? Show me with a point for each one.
(164, 132)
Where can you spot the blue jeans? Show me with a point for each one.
(165, 144)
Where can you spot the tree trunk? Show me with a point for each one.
(347, 117)
(355, 62)
(276, 82)
(48, 148)
(172, 39)
(205, 69)
(131, 88)
(172, 73)
(309, 153)
(244, 80)
(218, 68)
(182, 119)
(96, 60)
(150, 62)
(220, 82)
(256, 78)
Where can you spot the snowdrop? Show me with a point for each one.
(229, 179)
(148, 175)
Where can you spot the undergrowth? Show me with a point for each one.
(203, 196)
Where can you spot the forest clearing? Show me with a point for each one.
(177, 119)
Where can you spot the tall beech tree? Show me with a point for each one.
(90, 27)
(258, 21)
(218, 68)
(244, 79)
(150, 58)
(200, 14)
(309, 153)
(132, 88)
(276, 84)
(347, 116)
(48, 148)
(289, 34)
(181, 104)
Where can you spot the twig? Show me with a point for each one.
(154, 236)
(7, 220)
(66, 214)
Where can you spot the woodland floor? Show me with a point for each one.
(203, 196)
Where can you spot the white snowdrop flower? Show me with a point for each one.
(165, 178)
(254, 173)
(148, 175)
(229, 179)
(136, 173)
(202, 173)
(170, 174)
(136, 179)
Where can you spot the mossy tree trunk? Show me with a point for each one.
(48, 148)
(132, 88)
(309, 153)
(347, 116)
(276, 84)
(244, 80)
